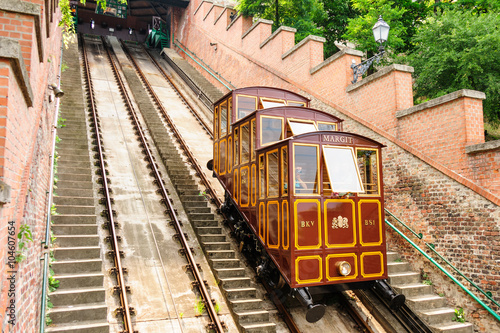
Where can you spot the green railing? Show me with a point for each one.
(431, 246)
(203, 65)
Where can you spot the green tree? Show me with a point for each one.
(403, 17)
(458, 50)
(302, 15)
(334, 23)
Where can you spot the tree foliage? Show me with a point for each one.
(302, 15)
(334, 23)
(403, 16)
(458, 49)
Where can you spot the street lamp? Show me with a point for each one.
(380, 33)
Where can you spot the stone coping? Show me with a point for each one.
(234, 20)
(334, 57)
(274, 34)
(384, 71)
(11, 49)
(256, 23)
(27, 8)
(483, 147)
(201, 4)
(441, 100)
(302, 43)
(209, 11)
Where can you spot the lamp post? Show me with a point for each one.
(380, 33)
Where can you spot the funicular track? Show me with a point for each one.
(215, 323)
(119, 270)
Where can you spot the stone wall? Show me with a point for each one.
(440, 177)
(30, 49)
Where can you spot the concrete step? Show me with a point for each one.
(73, 219)
(76, 210)
(215, 246)
(213, 238)
(67, 201)
(65, 151)
(82, 163)
(411, 290)
(209, 230)
(235, 282)
(181, 188)
(80, 280)
(202, 216)
(220, 254)
(195, 191)
(453, 328)
(398, 267)
(67, 144)
(74, 229)
(194, 197)
(75, 170)
(425, 302)
(437, 316)
(404, 278)
(73, 192)
(252, 317)
(68, 157)
(225, 263)
(258, 327)
(241, 293)
(75, 177)
(183, 182)
(73, 184)
(243, 305)
(230, 272)
(76, 240)
(197, 210)
(75, 253)
(77, 296)
(195, 204)
(392, 256)
(93, 326)
(205, 223)
(82, 265)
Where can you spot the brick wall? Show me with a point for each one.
(30, 51)
(440, 177)
(257, 56)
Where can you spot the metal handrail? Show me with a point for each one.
(431, 246)
(46, 241)
(202, 66)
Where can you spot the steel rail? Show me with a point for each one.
(287, 318)
(125, 310)
(174, 129)
(205, 126)
(166, 199)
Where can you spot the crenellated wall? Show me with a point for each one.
(440, 177)
(30, 49)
